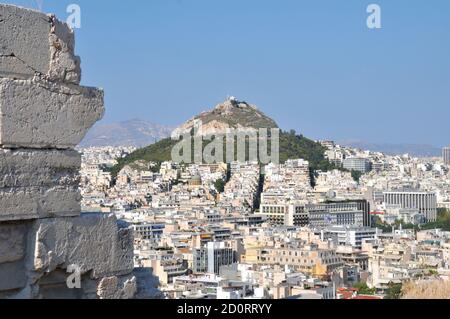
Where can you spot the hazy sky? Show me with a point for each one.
(311, 65)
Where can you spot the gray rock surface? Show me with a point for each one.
(94, 242)
(38, 168)
(12, 276)
(24, 203)
(44, 114)
(117, 288)
(12, 242)
(35, 43)
(37, 114)
(13, 247)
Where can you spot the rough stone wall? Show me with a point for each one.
(44, 114)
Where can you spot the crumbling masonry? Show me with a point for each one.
(44, 114)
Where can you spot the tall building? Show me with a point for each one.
(425, 202)
(209, 259)
(446, 155)
(284, 214)
(359, 164)
(361, 204)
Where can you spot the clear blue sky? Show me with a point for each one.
(312, 65)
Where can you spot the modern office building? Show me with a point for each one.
(361, 204)
(424, 202)
(359, 164)
(210, 258)
(284, 214)
(446, 155)
(149, 230)
(335, 214)
(347, 213)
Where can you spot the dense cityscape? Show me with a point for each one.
(376, 228)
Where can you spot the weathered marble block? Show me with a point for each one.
(37, 114)
(39, 168)
(13, 244)
(35, 43)
(24, 203)
(12, 276)
(117, 287)
(94, 242)
(44, 114)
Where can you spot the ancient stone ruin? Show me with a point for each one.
(45, 113)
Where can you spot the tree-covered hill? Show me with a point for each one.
(292, 146)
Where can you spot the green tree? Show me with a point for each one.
(363, 289)
(394, 291)
(442, 222)
(356, 175)
(219, 185)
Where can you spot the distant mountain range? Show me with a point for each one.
(138, 133)
(141, 133)
(419, 150)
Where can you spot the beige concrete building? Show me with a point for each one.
(310, 259)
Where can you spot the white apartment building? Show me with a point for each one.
(425, 202)
(359, 164)
(395, 213)
(339, 214)
(148, 230)
(350, 236)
